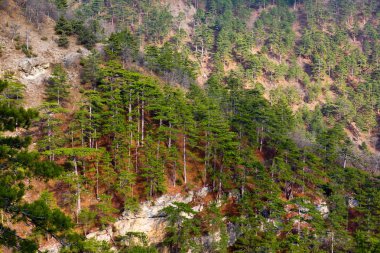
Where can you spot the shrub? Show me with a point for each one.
(63, 26)
(63, 41)
(1, 50)
(27, 51)
(85, 35)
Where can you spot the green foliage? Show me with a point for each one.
(123, 44)
(63, 41)
(183, 230)
(44, 169)
(9, 239)
(90, 70)
(173, 65)
(94, 246)
(140, 249)
(13, 91)
(57, 86)
(157, 25)
(87, 218)
(52, 221)
(76, 244)
(28, 51)
(105, 211)
(17, 166)
(63, 26)
(85, 35)
(61, 4)
(153, 170)
(268, 162)
(15, 117)
(277, 24)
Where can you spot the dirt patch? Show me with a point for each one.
(253, 17)
(32, 72)
(182, 12)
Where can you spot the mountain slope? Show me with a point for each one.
(202, 126)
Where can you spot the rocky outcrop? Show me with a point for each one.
(352, 202)
(323, 208)
(33, 72)
(149, 220)
(52, 246)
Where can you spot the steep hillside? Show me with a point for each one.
(17, 31)
(189, 126)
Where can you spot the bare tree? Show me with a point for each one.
(14, 31)
(36, 10)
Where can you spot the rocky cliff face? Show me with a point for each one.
(149, 220)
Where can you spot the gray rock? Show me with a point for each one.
(352, 202)
(104, 235)
(202, 192)
(72, 59)
(233, 233)
(52, 246)
(148, 220)
(323, 209)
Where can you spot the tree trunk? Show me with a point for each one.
(138, 120)
(142, 120)
(90, 123)
(158, 142)
(206, 159)
(49, 137)
(97, 173)
(261, 139)
(299, 223)
(170, 136)
(184, 158)
(345, 161)
(175, 174)
(27, 40)
(78, 209)
(82, 135)
(220, 181)
(130, 129)
(58, 98)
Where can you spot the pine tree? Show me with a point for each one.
(57, 86)
(183, 229)
(12, 187)
(50, 126)
(153, 170)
